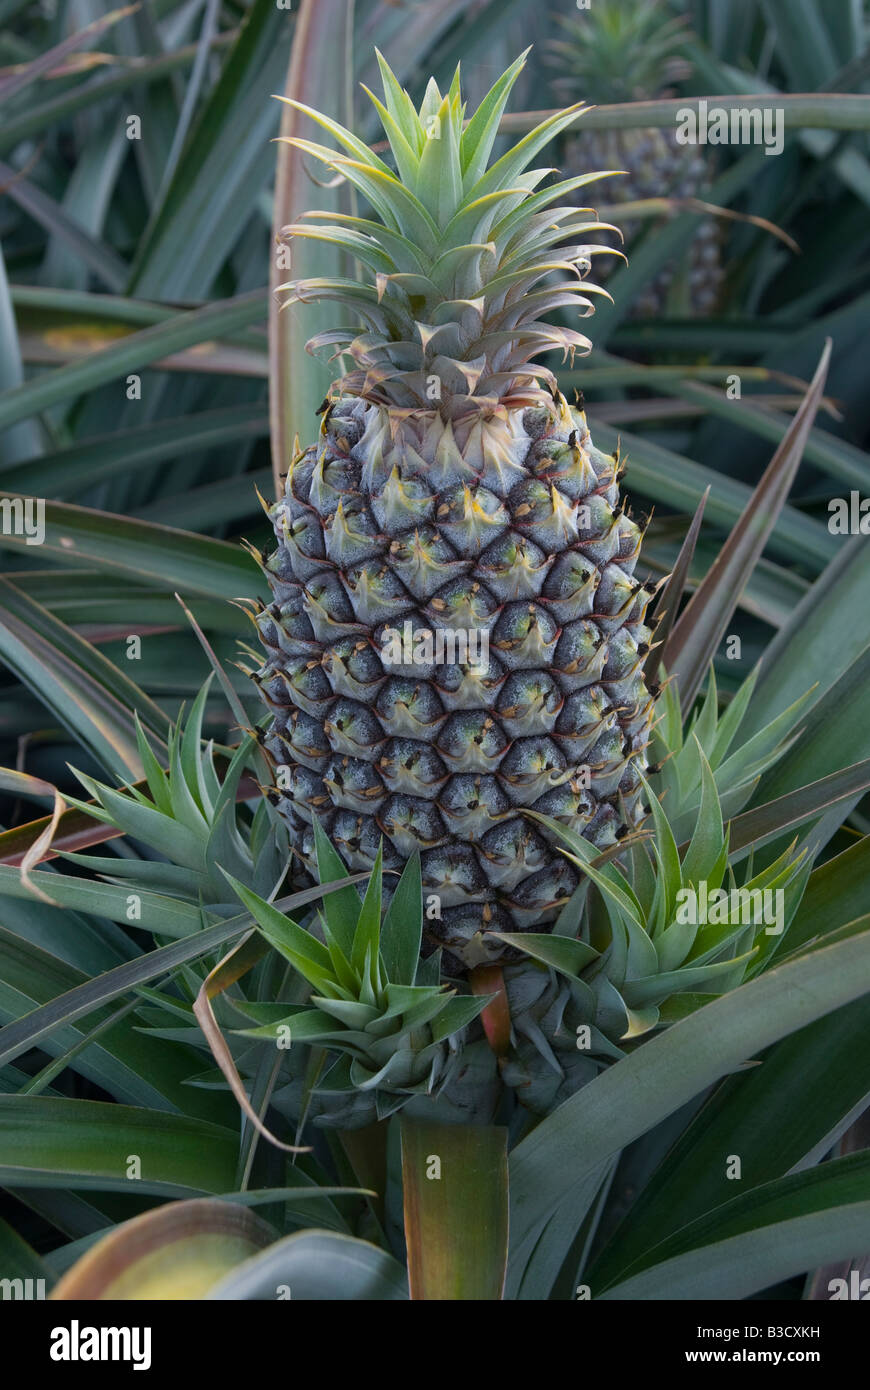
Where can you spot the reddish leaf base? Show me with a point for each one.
(496, 1017)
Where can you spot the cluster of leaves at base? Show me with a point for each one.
(379, 1028)
(191, 819)
(614, 969)
(737, 771)
(394, 1029)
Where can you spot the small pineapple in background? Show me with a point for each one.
(620, 51)
(453, 490)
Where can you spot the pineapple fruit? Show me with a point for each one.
(623, 51)
(453, 494)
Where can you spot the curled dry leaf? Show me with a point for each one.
(39, 848)
(234, 965)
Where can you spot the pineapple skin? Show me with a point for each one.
(656, 165)
(511, 524)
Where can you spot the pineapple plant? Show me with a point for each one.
(624, 51)
(453, 490)
(148, 991)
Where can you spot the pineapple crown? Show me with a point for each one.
(467, 262)
(619, 52)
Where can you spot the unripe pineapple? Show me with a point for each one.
(453, 491)
(630, 50)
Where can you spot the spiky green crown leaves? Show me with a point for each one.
(466, 263)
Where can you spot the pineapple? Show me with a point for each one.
(623, 51)
(454, 493)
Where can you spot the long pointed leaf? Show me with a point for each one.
(318, 68)
(695, 638)
(566, 1149)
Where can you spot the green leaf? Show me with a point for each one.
(564, 954)
(178, 1251)
(457, 1013)
(696, 636)
(224, 165)
(161, 915)
(611, 882)
(480, 133)
(77, 684)
(762, 823)
(340, 910)
(194, 757)
(666, 476)
(321, 1266)
(84, 596)
(439, 177)
(48, 1142)
(709, 835)
(640, 993)
(156, 555)
(835, 735)
(667, 854)
(763, 1237)
(732, 718)
(668, 605)
(507, 171)
(129, 354)
(82, 999)
(368, 928)
(66, 472)
(400, 105)
(349, 1012)
(565, 1151)
(88, 94)
(821, 111)
(402, 929)
(304, 952)
(779, 1116)
(71, 240)
(803, 41)
(823, 636)
(83, 38)
(838, 891)
(18, 1259)
(837, 457)
(305, 1026)
(108, 1052)
(181, 844)
(24, 439)
(319, 76)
